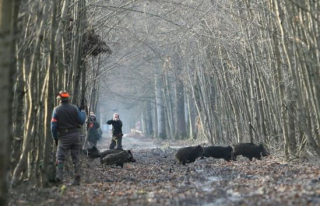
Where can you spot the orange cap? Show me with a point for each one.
(64, 94)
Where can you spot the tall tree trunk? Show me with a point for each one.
(8, 15)
(30, 116)
(148, 118)
(199, 119)
(191, 118)
(181, 132)
(292, 144)
(78, 63)
(48, 98)
(18, 105)
(169, 108)
(59, 41)
(160, 110)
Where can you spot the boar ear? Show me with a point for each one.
(263, 146)
(129, 151)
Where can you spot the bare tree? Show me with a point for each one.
(8, 18)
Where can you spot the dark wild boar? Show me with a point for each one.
(92, 152)
(249, 150)
(218, 152)
(189, 154)
(115, 151)
(109, 151)
(117, 159)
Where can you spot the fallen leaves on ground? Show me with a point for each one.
(157, 179)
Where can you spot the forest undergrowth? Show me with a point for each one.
(157, 179)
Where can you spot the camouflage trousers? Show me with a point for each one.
(116, 141)
(68, 142)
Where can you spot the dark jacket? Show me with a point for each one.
(116, 126)
(66, 118)
(93, 134)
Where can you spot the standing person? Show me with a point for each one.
(116, 132)
(65, 124)
(92, 127)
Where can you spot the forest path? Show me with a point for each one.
(156, 179)
(130, 142)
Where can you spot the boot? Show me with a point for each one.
(76, 167)
(76, 181)
(59, 175)
(119, 143)
(113, 143)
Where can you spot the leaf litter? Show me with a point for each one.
(157, 179)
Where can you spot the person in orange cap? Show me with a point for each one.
(65, 124)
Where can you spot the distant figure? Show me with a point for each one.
(138, 125)
(65, 124)
(93, 134)
(116, 132)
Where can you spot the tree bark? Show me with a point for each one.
(181, 132)
(49, 98)
(159, 107)
(8, 15)
(30, 116)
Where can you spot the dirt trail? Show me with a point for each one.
(130, 142)
(156, 179)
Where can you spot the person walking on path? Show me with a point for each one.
(116, 132)
(65, 123)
